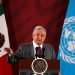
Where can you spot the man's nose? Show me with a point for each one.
(39, 37)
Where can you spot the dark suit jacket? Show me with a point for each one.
(27, 51)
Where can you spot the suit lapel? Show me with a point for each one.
(32, 50)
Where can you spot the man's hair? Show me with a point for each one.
(38, 28)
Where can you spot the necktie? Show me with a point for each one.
(39, 51)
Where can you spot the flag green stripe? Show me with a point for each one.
(1, 10)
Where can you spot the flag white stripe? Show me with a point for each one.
(3, 30)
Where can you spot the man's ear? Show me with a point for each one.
(32, 35)
(2, 40)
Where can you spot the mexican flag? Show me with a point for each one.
(4, 31)
(5, 67)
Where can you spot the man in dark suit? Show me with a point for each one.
(29, 50)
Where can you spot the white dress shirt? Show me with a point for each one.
(35, 45)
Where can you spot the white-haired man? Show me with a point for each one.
(28, 50)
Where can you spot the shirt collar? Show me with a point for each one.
(35, 45)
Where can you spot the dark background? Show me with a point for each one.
(23, 15)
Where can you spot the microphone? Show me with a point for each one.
(43, 51)
(36, 55)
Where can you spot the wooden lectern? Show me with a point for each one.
(25, 64)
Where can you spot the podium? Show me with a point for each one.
(25, 65)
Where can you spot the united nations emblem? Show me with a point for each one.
(39, 66)
(67, 44)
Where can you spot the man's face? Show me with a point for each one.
(39, 36)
